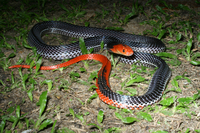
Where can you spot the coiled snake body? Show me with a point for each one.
(141, 45)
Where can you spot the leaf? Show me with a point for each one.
(20, 61)
(132, 91)
(198, 37)
(118, 115)
(16, 120)
(112, 129)
(2, 125)
(49, 83)
(178, 36)
(38, 63)
(102, 44)
(92, 97)
(128, 120)
(112, 107)
(2, 82)
(178, 77)
(175, 83)
(193, 59)
(189, 45)
(162, 33)
(11, 109)
(188, 80)
(80, 117)
(105, 131)
(138, 79)
(63, 7)
(65, 130)
(12, 78)
(24, 78)
(42, 102)
(167, 55)
(26, 45)
(27, 123)
(18, 111)
(30, 95)
(130, 15)
(196, 63)
(75, 74)
(82, 69)
(92, 124)
(166, 112)
(12, 118)
(72, 112)
(196, 96)
(171, 42)
(83, 82)
(120, 92)
(93, 75)
(197, 130)
(100, 116)
(82, 46)
(93, 87)
(87, 24)
(167, 102)
(11, 55)
(160, 9)
(145, 116)
(183, 7)
(45, 124)
(160, 131)
(186, 100)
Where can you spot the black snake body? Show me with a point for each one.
(141, 45)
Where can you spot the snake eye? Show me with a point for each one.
(123, 51)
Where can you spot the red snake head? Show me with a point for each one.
(121, 49)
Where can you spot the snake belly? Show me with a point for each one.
(141, 45)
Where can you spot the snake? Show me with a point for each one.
(133, 49)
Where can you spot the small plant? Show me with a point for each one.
(79, 116)
(75, 12)
(188, 53)
(126, 120)
(42, 122)
(100, 118)
(14, 119)
(136, 9)
(5, 61)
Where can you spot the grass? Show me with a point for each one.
(182, 38)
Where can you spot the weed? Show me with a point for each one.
(136, 9)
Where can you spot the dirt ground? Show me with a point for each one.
(76, 95)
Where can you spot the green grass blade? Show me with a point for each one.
(72, 112)
(100, 116)
(18, 111)
(198, 37)
(30, 95)
(53, 128)
(82, 46)
(38, 64)
(42, 102)
(145, 116)
(196, 63)
(2, 125)
(49, 84)
(45, 124)
(167, 102)
(189, 45)
(128, 120)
